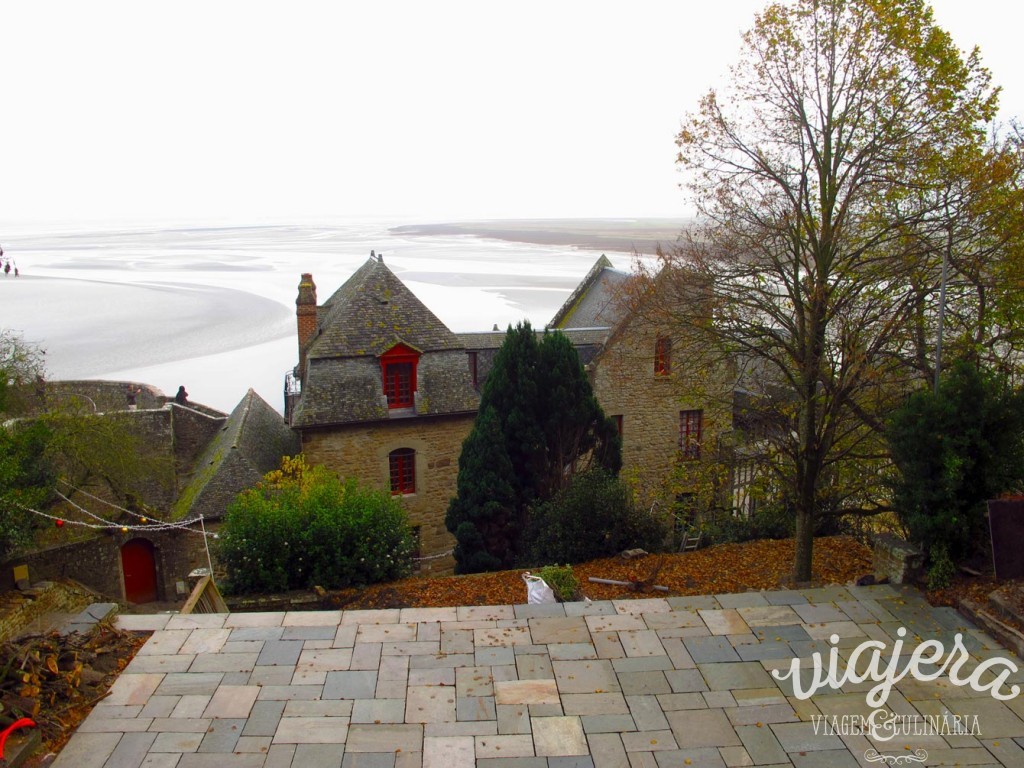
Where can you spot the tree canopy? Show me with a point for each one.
(21, 366)
(24, 477)
(538, 425)
(66, 446)
(813, 173)
(955, 448)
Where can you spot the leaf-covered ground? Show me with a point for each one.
(725, 568)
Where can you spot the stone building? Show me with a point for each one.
(385, 393)
(675, 419)
(204, 458)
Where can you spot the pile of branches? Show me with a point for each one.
(56, 679)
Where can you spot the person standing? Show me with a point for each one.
(182, 397)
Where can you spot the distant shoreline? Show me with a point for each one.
(616, 235)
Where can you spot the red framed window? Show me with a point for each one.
(618, 423)
(662, 356)
(398, 370)
(690, 424)
(402, 466)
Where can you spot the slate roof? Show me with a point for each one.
(493, 339)
(251, 443)
(594, 302)
(371, 312)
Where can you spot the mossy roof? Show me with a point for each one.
(371, 312)
(251, 443)
(594, 303)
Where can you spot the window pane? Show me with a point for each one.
(398, 384)
(690, 423)
(402, 465)
(663, 356)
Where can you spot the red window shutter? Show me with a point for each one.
(402, 466)
(398, 371)
(663, 356)
(690, 425)
(398, 384)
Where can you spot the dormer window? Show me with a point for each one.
(398, 371)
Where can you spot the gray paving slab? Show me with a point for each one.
(263, 718)
(317, 756)
(131, 750)
(651, 682)
(280, 653)
(742, 600)
(222, 735)
(704, 650)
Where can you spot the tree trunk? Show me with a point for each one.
(804, 544)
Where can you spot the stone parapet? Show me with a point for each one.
(897, 560)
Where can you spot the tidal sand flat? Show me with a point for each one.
(642, 236)
(213, 307)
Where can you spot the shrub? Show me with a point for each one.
(304, 527)
(955, 449)
(942, 569)
(768, 522)
(593, 517)
(562, 580)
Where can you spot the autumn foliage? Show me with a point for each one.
(726, 568)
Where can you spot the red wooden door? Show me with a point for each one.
(139, 567)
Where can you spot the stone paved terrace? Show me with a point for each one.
(678, 681)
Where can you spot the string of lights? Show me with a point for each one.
(136, 515)
(103, 524)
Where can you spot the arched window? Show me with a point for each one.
(402, 465)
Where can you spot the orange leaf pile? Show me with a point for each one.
(721, 569)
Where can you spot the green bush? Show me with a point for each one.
(562, 580)
(593, 517)
(955, 449)
(308, 528)
(768, 522)
(941, 570)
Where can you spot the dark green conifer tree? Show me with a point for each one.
(483, 515)
(538, 424)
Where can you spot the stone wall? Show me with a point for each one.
(361, 452)
(626, 385)
(96, 562)
(105, 396)
(192, 431)
(19, 610)
(155, 431)
(897, 560)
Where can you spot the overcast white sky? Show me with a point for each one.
(258, 111)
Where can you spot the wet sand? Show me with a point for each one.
(619, 235)
(213, 308)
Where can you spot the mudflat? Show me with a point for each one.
(622, 235)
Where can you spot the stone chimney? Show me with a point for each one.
(305, 316)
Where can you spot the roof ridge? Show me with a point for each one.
(371, 310)
(247, 399)
(565, 310)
